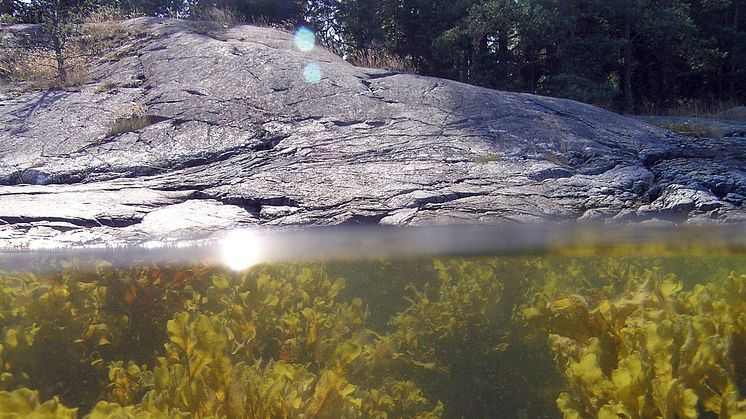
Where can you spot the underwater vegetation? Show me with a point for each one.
(530, 336)
(655, 350)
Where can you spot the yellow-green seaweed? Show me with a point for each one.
(451, 337)
(656, 350)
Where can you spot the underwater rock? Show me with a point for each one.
(185, 112)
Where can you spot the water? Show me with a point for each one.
(451, 322)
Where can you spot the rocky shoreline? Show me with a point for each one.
(186, 131)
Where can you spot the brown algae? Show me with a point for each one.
(514, 336)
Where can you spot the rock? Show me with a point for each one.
(206, 130)
(657, 223)
(179, 220)
(272, 212)
(399, 217)
(678, 201)
(735, 199)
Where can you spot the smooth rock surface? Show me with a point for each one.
(236, 136)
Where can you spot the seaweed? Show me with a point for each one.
(25, 403)
(657, 350)
(452, 337)
(460, 332)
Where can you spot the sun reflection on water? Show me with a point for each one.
(242, 249)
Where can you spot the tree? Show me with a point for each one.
(492, 29)
(625, 54)
(721, 69)
(629, 42)
(348, 26)
(668, 52)
(60, 20)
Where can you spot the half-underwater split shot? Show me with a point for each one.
(342, 209)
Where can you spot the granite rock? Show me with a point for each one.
(199, 130)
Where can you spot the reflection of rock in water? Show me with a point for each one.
(231, 121)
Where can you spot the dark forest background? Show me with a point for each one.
(635, 56)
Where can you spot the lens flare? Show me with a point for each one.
(305, 39)
(241, 249)
(312, 73)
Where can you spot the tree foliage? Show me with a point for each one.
(59, 19)
(664, 52)
(629, 55)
